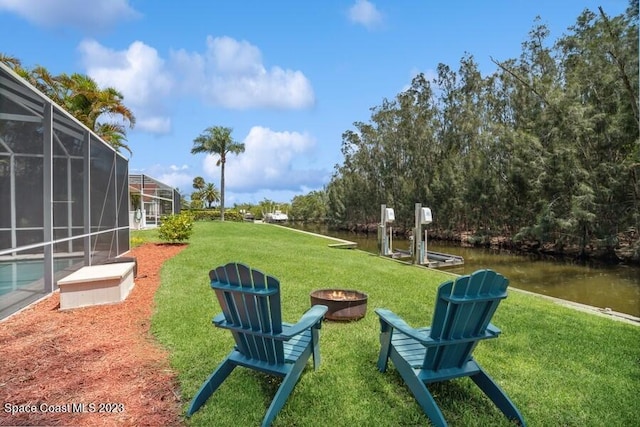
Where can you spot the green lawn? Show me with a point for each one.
(560, 366)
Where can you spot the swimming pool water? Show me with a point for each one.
(17, 274)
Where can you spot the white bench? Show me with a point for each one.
(96, 284)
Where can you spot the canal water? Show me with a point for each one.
(615, 287)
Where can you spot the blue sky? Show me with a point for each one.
(288, 76)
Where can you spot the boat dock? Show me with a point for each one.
(433, 259)
(441, 260)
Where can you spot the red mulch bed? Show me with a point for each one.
(103, 357)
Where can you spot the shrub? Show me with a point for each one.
(205, 214)
(214, 214)
(176, 228)
(232, 215)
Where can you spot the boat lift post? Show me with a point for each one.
(423, 217)
(385, 240)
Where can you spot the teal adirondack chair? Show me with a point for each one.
(250, 302)
(464, 308)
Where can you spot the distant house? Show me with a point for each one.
(150, 200)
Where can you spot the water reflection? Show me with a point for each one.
(614, 287)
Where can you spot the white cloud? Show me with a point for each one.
(231, 74)
(365, 13)
(139, 74)
(232, 57)
(157, 125)
(268, 163)
(178, 180)
(93, 16)
(174, 176)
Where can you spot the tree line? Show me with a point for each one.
(545, 149)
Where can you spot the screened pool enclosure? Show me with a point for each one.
(150, 201)
(64, 195)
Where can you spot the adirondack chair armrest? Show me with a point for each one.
(310, 318)
(387, 317)
(493, 330)
(218, 320)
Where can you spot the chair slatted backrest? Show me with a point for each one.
(250, 301)
(463, 311)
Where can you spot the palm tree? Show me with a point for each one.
(38, 76)
(13, 62)
(198, 183)
(113, 134)
(217, 140)
(80, 95)
(210, 194)
(198, 195)
(196, 200)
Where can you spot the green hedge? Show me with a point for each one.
(214, 214)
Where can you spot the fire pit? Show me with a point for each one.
(344, 304)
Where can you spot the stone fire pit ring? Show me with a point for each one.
(343, 304)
